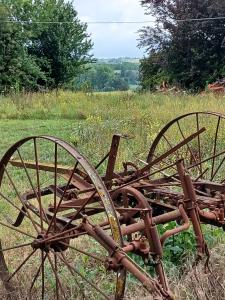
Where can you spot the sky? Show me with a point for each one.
(113, 40)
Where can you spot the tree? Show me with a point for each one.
(151, 72)
(189, 52)
(54, 38)
(101, 77)
(65, 45)
(17, 68)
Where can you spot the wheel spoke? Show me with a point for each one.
(37, 274)
(214, 146)
(203, 161)
(61, 199)
(16, 229)
(18, 208)
(38, 183)
(165, 138)
(79, 211)
(85, 279)
(29, 179)
(35, 199)
(21, 265)
(217, 170)
(84, 252)
(21, 200)
(71, 271)
(42, 276)
(165, 162)
(55, 181)
(15, 247)
(188, 147)
(56, 279)
(199, 142)
(201, 175)
(56, 276)
(27, 173)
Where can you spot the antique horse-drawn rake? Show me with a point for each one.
(67, 233)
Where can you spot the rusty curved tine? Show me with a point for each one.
(18, 208)
(42, 212)
(37, 274)
(19, 197)
(84, 278)
(61, 199)
(21, 265)
(215, 145)
(56, 276)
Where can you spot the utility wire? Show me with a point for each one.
(64, 22)
(113, 22)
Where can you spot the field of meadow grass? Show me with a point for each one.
(88, 121)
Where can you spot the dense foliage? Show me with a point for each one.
(186, 53)
(36, 54)
(109, 75)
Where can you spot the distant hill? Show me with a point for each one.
(111, 74)
(118, 60)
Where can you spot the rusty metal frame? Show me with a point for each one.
(134, 201)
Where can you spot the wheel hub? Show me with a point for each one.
(42, 242)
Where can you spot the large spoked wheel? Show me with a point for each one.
(204, 156)
(39, 177)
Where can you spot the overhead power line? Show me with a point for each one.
(88, 22)
(112, 22)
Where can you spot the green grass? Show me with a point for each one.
(88, 121)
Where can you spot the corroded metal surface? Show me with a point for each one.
(120, 211)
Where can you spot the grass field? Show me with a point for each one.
(88, 121)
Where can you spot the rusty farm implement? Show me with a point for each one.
(69, 233)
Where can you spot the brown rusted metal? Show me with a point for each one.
(120, 211)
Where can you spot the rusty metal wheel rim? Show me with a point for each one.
(99, 188)
(198, 118)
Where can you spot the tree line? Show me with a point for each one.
(179, 49)
(107, 76)
(43, 45)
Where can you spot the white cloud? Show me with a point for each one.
(112, 40)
